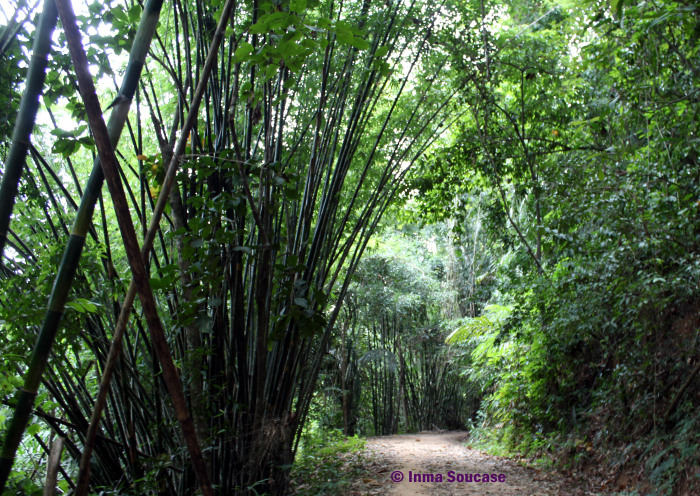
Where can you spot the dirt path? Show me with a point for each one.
(405, 466)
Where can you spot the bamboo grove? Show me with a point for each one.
(263, 142)
(389, 369)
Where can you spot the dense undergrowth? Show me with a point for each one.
(626, 413)
(579, 166)
(328, 463)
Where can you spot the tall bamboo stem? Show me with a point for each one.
(71, 255)
(115, 347)
(24, 124)
(133, 252)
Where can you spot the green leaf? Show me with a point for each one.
(381, 51)
(82, 305)
(616, 7)
(259, 28)
(348, 38)
(243, 52)
(297, 5)
(33, 429)
(160, 283)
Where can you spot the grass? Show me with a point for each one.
(327, 464)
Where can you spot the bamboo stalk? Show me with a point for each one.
(133, 252)
(240, 370)
(53, 466)
(115, 347)
(17, 156)
(71, 256)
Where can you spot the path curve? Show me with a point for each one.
(423, 457)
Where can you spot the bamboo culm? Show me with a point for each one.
(71, 255)
(17, 156)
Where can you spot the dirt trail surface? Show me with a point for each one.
(417, 459)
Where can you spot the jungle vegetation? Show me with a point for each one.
(325, 219)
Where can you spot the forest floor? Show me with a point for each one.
(415, 458)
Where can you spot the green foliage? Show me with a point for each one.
(583, 151)
(308, 123)
(13, 68)
(327, 463)
(389, 369)
(486, 325)
(561, 265)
